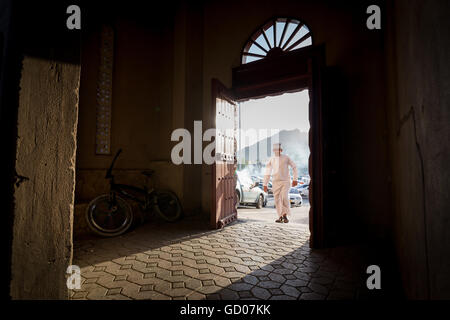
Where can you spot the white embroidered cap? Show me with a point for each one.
(277, 146)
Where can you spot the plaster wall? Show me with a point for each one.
(142, 113)
(419, 120)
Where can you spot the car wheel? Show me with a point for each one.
(237, 200)
(260, 202)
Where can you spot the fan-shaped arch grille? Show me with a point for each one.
(275, 37)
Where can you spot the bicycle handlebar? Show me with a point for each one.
(108, 173)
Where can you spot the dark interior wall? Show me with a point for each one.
(419, 118)
(357, 55)
(142, 93)
(157, 88)
(142, 102)
(194, 94)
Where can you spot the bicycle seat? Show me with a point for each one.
(148, 173)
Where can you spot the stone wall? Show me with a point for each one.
(45, 158)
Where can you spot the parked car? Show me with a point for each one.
(295, 198)
(249, 192)
(269, 187)
(259, 182)
(304, 190)
(304, 179)
(256, 179)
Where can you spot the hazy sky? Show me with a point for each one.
(285, 112)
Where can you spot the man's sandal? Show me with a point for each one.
(279, 220)
(285, 219)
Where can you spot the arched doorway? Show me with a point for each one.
(287, 62)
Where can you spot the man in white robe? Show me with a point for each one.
(278, 167)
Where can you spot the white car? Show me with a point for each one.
(295, 198)
(304, 190)
(248, 192)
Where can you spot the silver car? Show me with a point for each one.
(304, 190)
(249, 192)
(295, 197)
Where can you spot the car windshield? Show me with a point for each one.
(293, 190)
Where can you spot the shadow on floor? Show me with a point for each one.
(151, 235)
(247, 260)
(308, 274)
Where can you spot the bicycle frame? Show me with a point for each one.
(124, 190)
(111, 214)
(145, 201)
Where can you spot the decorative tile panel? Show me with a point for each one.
(104, 91)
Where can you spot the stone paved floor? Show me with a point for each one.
(246, 260)
(269, 214)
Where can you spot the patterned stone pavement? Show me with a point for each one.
(246, 260)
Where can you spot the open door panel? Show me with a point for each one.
(223, 209)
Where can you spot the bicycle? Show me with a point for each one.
(111, 215)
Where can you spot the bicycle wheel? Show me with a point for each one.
(109, 216)
(167, 205)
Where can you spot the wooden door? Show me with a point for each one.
(224, 199)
